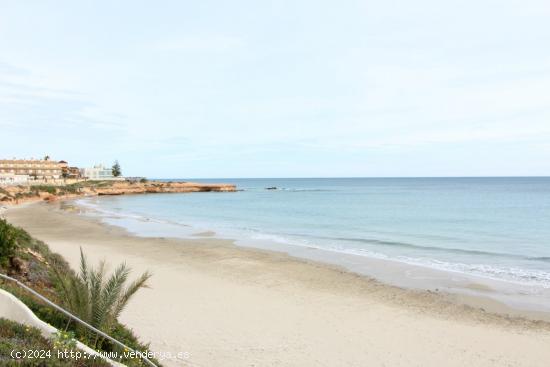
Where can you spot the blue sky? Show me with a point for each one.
(279, 89)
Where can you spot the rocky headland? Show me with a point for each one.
(11, 195)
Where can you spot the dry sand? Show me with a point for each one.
(229, 306)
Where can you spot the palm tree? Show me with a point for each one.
(93, 297)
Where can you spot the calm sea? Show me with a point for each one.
(497, 228)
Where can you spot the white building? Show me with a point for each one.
(11, 179)
(98, 173)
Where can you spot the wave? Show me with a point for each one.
(453, 250)
(500, 272)
(117, 213)
(531, 277)
(540, 258)
(303, 190)
(287, 189)
(514, 274)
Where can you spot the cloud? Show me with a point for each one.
(8, 69)
(27, 105)
(300, 85)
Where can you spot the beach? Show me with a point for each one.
(221, 305)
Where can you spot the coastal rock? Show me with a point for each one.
(21, 194)
(122, 188)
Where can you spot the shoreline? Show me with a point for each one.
(213, 280)
(493, 295)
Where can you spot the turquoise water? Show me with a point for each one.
(497, 228)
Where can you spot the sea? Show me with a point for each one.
(471, 230)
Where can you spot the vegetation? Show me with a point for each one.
(8, 241)
(116, 169)
(93, 184)
(34, 191)
(32, 262)
(64, 339)
(74, 188)
(20, 338)
(50, 189)
(29, 194)
(94, 298)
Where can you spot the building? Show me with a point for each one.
(71, 172)
(35, 168)
(97, 172)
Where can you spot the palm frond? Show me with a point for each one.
(94, 297)
(129, 292)
(83, 267)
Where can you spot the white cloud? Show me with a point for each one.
(286, 84)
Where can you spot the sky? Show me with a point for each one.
(214, 89)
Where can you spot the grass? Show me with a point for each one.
(20, 338)
(99, 183)
(50, 189)
(40, 276)
(74, 188)
(29, 194)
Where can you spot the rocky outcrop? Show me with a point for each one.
(122, 188)
(21, 194)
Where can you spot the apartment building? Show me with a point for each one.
(36, 168)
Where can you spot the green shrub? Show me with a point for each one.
(19, 338)
(64, 340)
(45, 188)
(21, 195)
(72, 188)
(8, 241)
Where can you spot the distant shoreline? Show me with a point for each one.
(17, 194)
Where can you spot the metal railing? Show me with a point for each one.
(73, 317)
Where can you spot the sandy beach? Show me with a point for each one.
(225, 305)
